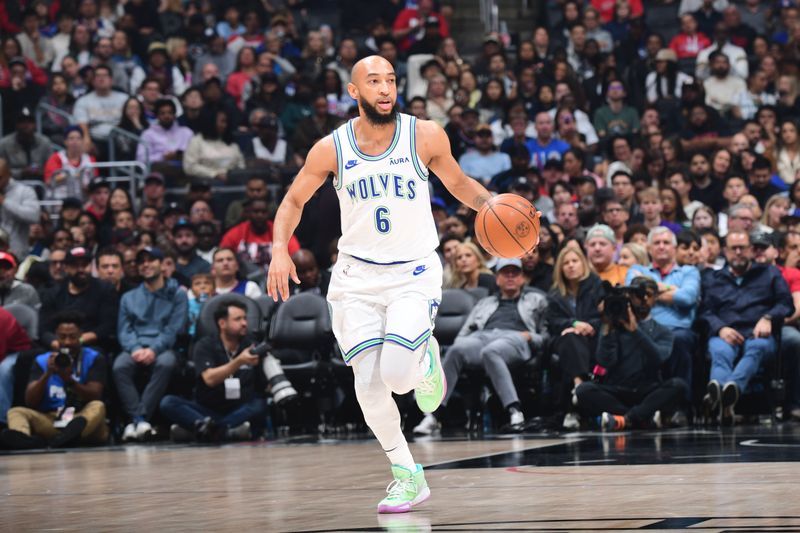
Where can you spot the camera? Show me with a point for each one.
(63, 358)
(282, 390)
(617, 301)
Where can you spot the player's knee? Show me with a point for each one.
(397, 368)
(396, 380)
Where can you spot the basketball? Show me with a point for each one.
(507, 226)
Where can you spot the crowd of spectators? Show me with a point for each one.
(657, 148)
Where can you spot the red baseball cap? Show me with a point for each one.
(5, 256)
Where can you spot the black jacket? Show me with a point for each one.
(634, 359)
(561, 314)
(99, 304)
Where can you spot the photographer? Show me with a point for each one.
(631, 350)
(229, 385)
(64, 395)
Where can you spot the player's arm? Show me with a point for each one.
(434, 149)
(321, 161)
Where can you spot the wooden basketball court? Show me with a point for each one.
(742, 479)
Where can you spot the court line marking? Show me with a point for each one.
(756, 444)
(589, 461)
(706, 456)
(521, 450)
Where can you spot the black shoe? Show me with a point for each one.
(730, 394)
(714, 392)
(207, 430)
(12, 439)
(71, 434)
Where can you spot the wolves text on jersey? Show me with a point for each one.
(381, 186)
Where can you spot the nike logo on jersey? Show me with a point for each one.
(419, 270)
(350, 164)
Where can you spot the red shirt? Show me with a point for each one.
(12, 337)
(792, 277)
(251, 246)
(606, 9)
(685, 46)
(404, 21)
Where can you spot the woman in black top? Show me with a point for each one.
(572, 315)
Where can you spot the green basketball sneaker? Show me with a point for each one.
(405, 491)
(431, 390)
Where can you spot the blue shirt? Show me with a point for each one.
(540, 154)
(483, 167)
(683, 310)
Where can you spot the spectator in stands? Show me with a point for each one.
(600, 249)
(64, 400)
(35, 46)
(230, 384)
(469, 269)
(537, 270)
(722, 86)
(108, 264)
(546, 147)
(184, 237)
(255, 187)
(742, 304)
(225, 269)
(409, 26)
(573, 320)
(13, 339)
(484, 162)
(12, 290)
(207, 240)
(99, 111)
(312, 279)
(165, 140)
(252, 239)
(19, 207)
(567, 218)
(768, 249)
(616, 118)
(150, 318)
(676, 301)
(25, 150)
(55, 265)
(760, 177)
(501, 330)
(679, 180)
(754, 96)
(631, 352)
(153, 191)
(211, 153)
(20, 93)
(736, 56)
(67, 171)
(99, 193)
(268, 148)
(615, 216)
(314, 127)
(148, 221)
(651, 206)
(689, 42)
(97, 300)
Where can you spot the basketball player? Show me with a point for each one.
(387, 282)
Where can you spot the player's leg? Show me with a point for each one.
(358, 327)
(410, 356)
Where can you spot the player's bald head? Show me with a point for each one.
(370, 65)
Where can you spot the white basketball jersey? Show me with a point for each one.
(384, 199)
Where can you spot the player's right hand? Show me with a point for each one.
(280, 268)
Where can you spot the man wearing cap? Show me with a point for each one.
(100, 110)
(267, 147)
(769, 248)
(79, 291)
(743, 304)
(484, 161)
(658, 83)
(153, 191)
(25, 150)
(677, 299)
(184, 237)
(150, 318)
(19, 208)
(13, 339)
(165, 140)
(409, 26)
(12, 290)
(601, 244)
(501, 330)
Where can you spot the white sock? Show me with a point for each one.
(425, 363)
(401, 456)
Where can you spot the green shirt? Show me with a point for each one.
(607, 123)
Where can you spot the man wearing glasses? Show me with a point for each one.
(743, 305)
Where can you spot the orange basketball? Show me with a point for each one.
(507, 226)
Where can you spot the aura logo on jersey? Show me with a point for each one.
(381, 186)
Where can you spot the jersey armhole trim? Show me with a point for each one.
(337, 180)
(414, 153)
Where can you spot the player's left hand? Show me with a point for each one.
(280, 268)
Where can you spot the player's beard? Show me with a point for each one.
(375, 117)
